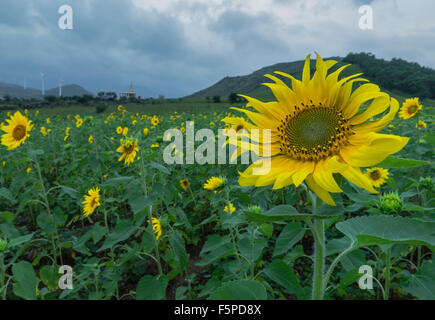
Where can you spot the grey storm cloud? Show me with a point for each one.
(176, 47)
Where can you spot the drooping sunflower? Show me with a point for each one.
(17, 131)
(377, 176)
(91, 202)
(157, 227)
(185, 184)
(215, 183)
(409, 108)
(318, 129)
(128, 149)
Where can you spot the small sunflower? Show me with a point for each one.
(120, 107)
(155, 121)
(155, 145)
(157, 227)
(91, 202)
(28, 170)
(410, 108)
(119, 130)
(17, 131)
(232, 208)
(146, 131)
(125, 131)
(44, 131)
(91, 139)
(79, 122)
(377, 176)
(214, 183)
(185, 184)
(128, 149)
(319, 129)
(212, 124)
(421, 124)
(238, 124)
(47, 120)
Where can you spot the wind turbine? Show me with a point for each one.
(60, 87)
(43, 75)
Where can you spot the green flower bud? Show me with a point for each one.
(3, 245)
(391, 203)
(426, 183)
(255, 209)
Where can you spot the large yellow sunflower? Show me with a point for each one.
(409, 108)
(91, 202)
(17, 131)
(129, 150)
(318, 129)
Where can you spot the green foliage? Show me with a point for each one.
(396, 74)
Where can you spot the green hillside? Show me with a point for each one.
(399, 77)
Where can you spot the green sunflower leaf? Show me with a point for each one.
(287, 212)
(240, 290)
(392, 162)
(422, 283)
(376, 230)
(25, 280)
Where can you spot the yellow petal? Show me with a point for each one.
(378, 147)
(324, 178)
(321, 193)
(304, 170)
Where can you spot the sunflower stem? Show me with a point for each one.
(111, 249)
(2, 276)
(319, 259)
(47, 205)
(150, 217)
(387, 274)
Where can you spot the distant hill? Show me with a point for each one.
(13, 91)
(397, 75)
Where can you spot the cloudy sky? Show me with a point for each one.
(176, 47)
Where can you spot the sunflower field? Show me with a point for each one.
(346, 210)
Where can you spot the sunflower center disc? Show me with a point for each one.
(313, 134)
(312, 128)
(375, 175)
(19, 132)
(128, 148)
(412, 109)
